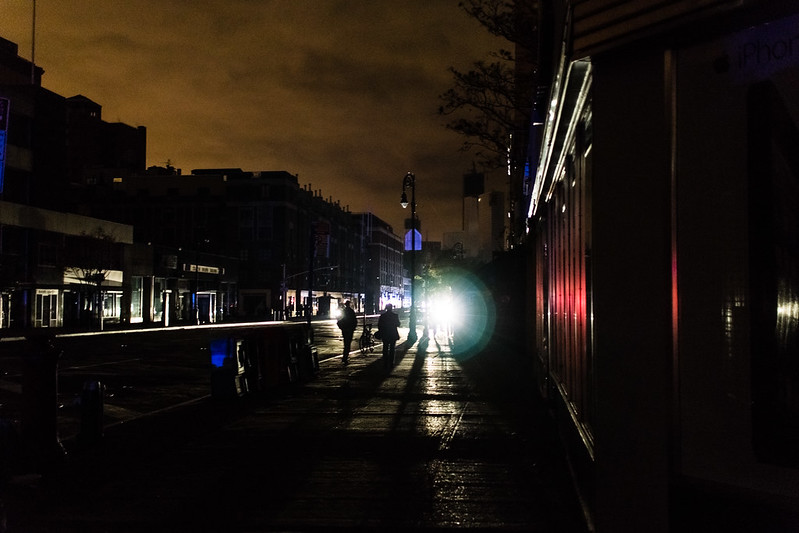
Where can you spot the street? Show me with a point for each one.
(435, 443)
(142, 372)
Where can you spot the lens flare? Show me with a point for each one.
(442, 309)
(474, 315)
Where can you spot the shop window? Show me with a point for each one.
(136, 298)
(112, 305)
(46, 309)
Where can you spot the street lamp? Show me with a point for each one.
(410, 181)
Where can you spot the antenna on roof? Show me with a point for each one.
(33, 46)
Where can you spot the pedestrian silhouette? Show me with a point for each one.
(387, 326)
(347, 324)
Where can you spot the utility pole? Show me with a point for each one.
(33, 46)
(410, 181)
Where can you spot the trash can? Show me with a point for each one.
(228, 368)
(91, 413)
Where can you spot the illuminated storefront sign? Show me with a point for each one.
(202, 269)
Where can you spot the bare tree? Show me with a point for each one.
(513, 20)
(89, 258)
(491, 102)
(482, 107)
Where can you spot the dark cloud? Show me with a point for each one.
(343, 93)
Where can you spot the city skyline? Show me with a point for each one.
(342, 94)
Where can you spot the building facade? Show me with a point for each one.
(61, 270)
(288, 241)
(215, 244)
(384, 276)
(662, 222)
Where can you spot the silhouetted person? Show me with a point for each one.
(387, 326)
(347, 324)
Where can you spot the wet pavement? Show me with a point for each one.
(438, 443)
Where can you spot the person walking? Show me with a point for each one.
(347, 324)
(387, 326)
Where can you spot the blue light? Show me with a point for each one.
(219, 352)
(5, 105)
(409, 245)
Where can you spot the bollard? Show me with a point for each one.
(91, 413)
(292, 361)
(309, 361)
(39, 422)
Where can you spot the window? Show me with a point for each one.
(112, 305)
(564, 270)
(246, 234)
(48, 255)
(136, 296)
(246, 217)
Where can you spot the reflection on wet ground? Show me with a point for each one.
(428, 445)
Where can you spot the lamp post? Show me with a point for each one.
(410, 181)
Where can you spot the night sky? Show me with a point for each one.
(343, 93)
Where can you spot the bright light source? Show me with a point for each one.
(471, 314)
(443, 312)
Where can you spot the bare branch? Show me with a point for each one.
(485, 103)
(512, 20)
(90, 256)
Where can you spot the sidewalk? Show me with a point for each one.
(433, 445)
